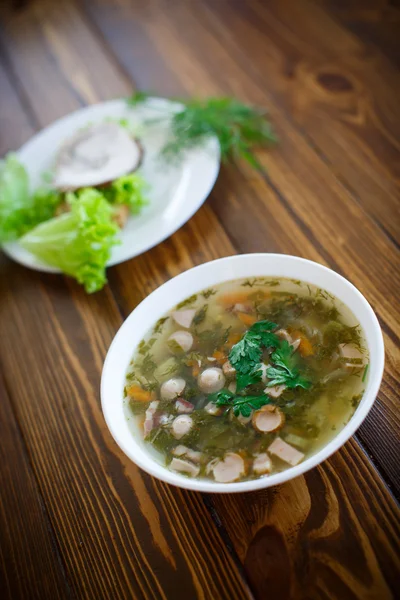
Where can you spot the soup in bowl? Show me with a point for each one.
(242, 373)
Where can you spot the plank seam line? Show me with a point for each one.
(52, 534)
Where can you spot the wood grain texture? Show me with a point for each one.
(28, 551)
(333, 533)
(340, 93)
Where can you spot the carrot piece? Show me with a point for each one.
(220, 357)
(232, 298)
(234, 338)
(247, 319)
(195, 370)
(139, 394)
(305, 346)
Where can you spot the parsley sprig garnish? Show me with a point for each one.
(284, 371)
(239, 128)
(241, 405)
(246, 355)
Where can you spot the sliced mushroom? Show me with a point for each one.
(262, 464)
(96, 155)
(184, 318)
(172, 388)
(149, 423)
(268, 418)
(184, 466)
(183, 339)
(285, 452)
(232, 387)
(228, 370)
(354, 358)
(183, 406)
(193, 455)
(275, 391)
(211, 380)
(213, 409)
(229, 469)
(181, 426)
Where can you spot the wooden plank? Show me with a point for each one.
(286, 208)
(120, 533)
(30, 564)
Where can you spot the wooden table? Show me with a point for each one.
(77, 518)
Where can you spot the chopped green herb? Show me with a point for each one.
(208, 293)
(187, 302)
(365, 372)
(200, 315)
(159, 325)
(239, 128)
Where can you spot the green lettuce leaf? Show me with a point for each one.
(19, 211)
(128, 189)
(79, 242)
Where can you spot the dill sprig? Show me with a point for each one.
(239, 128)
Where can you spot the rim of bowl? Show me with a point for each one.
(150, 465)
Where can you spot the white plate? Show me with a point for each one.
(176, 192)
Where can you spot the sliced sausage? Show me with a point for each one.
(184, 466)
(213, 409)
(285, 452)
(275, 391)
(193, 455)
(172, 388)
(181, 426)
(232, 387)
(211, 380)
(149, 424)
(184, 339)
(228, 370)
(183, 406)
(229, 469)
(262, 464)
(268, 418)
(184, 318)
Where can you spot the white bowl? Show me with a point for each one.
(142, 319)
